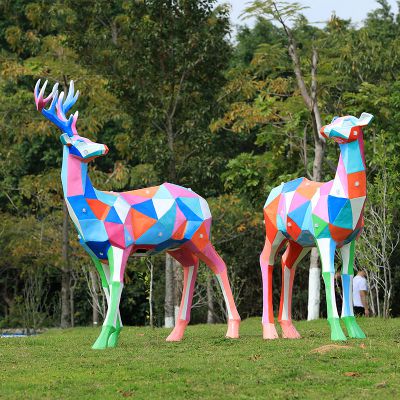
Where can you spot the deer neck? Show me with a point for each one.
(350, 178)
(74, 176)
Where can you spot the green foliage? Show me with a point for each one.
(274, 9)
(149, 74)
(174, 100)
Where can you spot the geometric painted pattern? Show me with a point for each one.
(113, 226)
(307, 214)
(150, 220)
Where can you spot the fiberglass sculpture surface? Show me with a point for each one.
(329, 215)
(113, 226)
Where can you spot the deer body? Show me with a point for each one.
(113, 226)
(149, 219)
(328, 215)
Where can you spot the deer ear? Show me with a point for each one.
(66, 140)
(365, 119)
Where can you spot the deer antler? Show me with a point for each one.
(56, 113)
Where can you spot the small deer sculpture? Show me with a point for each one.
(113, 226)
(328, 215)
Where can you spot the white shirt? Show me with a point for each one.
(359, 283)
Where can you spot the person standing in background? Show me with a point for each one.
(360, 294)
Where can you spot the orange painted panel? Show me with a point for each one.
(100, 210)
(357, 184)
(141, 223)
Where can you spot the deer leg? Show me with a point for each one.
(213, 260)
(190, 264)
(327, 247)
(347, 252)
(113, 339)
(292, 256)
(117, 259)
(104, 273)
(267, 259)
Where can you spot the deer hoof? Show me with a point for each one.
(233, 329)
(177, 334)
(289, 331)
(269, 331)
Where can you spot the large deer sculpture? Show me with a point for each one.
(113, 226)
(328, 215)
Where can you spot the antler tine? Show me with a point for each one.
(51, 111)
(56, 112)
(61, 109)
(39, 99)
(36, 91)
(71, 99)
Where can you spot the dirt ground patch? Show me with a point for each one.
(329, 347)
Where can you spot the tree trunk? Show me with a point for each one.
(95, 297)
(72, 303)
(65, 274)
(314, 277)
(151, 294)
(173, 276)
(314, 286)
(310, 98)
(169, 305)
(210, 301)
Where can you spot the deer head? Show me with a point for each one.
(346, 129)
(78, 146)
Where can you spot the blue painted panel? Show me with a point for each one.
(335, 205)
(325, 233)
(155, 235)
(307, 221)
(298, 214)
(146, 208)
(292, 185)
(191, 228)
(100, 249)
(112, 216)
(306, 239)
(280, 224)
(346, 289)
(81, 207)
(275, 192)
(193, 204)
(64, 169)
(89, 190)
(168, 219)
(345, 217)
(169, 244)
(106, 198)
(163, 193)
(352, 158)
(93, 230)
(187, 212)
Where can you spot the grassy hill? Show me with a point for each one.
(60, 364)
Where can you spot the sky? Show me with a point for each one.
(319, 10)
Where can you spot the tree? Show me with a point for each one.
(168, 62)
(31, 184)
(282, 12)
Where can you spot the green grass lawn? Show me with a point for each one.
(60, 364)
